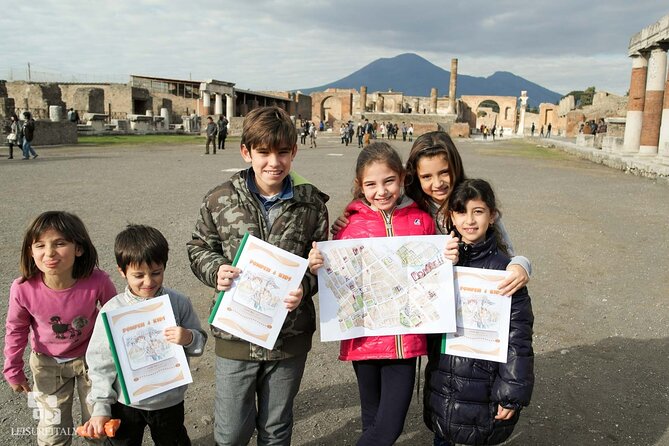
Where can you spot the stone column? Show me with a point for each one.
(637, 96)
(379, 103)
(452, 87)
(363, 100)
(416, 106)
(663, 145)
(206, 103)
(218, 107)
(652, 109)
(165, 113)
(433, 101)
(523, 105)
(229, 106)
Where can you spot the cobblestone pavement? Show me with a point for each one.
(597, 239)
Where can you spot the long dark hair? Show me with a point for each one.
(476, 189)
(429, 145)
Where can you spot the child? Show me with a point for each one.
(271, 203)
(385, 372)
(473, 401)
(56, 298)
(141, 256)
(434, 168)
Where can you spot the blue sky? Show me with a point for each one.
(562, 45)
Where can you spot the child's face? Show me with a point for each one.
(54, 255)
(271, 165)
(434, 176)
(474, 222)
(144, 280)
(381, 186)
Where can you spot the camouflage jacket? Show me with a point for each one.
(226, 214)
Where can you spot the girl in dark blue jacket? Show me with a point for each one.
(474, 401)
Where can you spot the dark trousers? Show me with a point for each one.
(385, 393)
(221, 141)
(166, 426)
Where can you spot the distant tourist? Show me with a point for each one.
(493, 131)
(532, 130)
(28, 134)
(312, 135)
(410, 132)
(548, 130)
(14, 137)
(404, 131)
(212, 130)
(222, 128)
(541, 132)
(367, 132)
(360, 132)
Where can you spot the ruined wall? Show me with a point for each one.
(54, 133)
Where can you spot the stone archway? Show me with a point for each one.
(506, 116)
(330, 110)
(487, 114)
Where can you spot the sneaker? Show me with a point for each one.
(25, 158)
(36, 155)
(10, 157)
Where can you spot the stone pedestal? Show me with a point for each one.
(55, 113)
(165, 114)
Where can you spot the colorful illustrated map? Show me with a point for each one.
(385, 286)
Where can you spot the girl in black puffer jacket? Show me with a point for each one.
(473, 401)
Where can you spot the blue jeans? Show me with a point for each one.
(238, 383)
(28, 149)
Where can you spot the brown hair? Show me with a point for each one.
(138, 244)
(270, 127)
(429, 145)
(377, 152)
(72, 229)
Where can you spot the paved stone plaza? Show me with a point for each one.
(597, 238)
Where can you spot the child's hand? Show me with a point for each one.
(316, 260)
(95, 427)
(504, 414)
(226, 275)
(21, 387)
(340, 223)
(178, 335)
(516, 280)
(294, 298)
(452, 252)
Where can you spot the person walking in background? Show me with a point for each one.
(222, 128)
(14, 137)
(312, 135)
(548, 130)
(212, 130)
(532, 130)
(541, 132)
(28, 134)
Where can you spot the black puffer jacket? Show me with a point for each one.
(461, 394)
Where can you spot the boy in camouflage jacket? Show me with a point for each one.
(278, 206)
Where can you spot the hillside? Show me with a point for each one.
(415, 76)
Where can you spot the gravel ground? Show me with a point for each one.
(596, 236)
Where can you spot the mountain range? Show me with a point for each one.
(415, 76)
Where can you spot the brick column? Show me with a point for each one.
(206, 103)
(363, 100)
(433, 100)
(452, 87)
(663, 145)
(652, 109)
(635, 103)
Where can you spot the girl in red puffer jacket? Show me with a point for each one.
(385, 366)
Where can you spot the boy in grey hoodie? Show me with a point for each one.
(141, 255)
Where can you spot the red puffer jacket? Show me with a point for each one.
(405, 219)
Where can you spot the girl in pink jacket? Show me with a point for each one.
(55, 302)
(385, 366)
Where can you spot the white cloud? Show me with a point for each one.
(280, 44)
